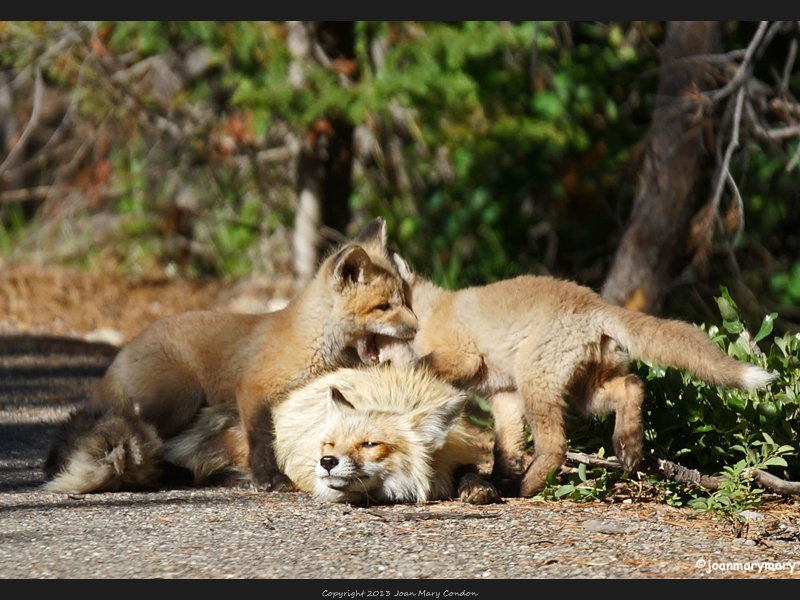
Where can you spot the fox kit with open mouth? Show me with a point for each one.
(185, 362)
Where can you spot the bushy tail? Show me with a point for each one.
(214, 448)
(680, 344)
(103, 451)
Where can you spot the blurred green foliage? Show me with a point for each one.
(502, 127)
(703, 427)
(492, 148)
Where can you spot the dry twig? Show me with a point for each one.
(33, 122)
(674, 472)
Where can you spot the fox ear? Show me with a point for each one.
(350, 267)
(373, 236)
(337, 401)
(437, 422)
(403, 269)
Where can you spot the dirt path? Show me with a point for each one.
(211, 533)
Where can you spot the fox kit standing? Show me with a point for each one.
(181, 363)
(534, 344)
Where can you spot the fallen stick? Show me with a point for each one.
(673, 471)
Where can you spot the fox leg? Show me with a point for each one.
(263, 464)
(623, 395)
(542, 381)
(254, 402)
(451, 354)
(508, 413)
(546, 420)
(169, 402)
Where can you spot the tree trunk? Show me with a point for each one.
(325, 164)
(654, 248)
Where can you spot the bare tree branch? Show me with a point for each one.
(592, 460)
(773, 483)
(789, 66)
(725, 173)
(37, 193)
(744, 68)
(783, 132)
(33, 122)
(680, 474)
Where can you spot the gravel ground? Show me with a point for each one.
(240, 534)
(230, 533)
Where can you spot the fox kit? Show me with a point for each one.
(182, 363)
(359, 435)
(534, 344)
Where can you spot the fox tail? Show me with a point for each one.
(100, 450)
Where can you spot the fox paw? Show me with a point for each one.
(629, 455)
(473, 489)
(276, 483)
(508, 467)
(231, 478)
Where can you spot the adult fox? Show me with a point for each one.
(533, 344)
(362, 435)
(179, 364)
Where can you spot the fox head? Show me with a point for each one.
(382, 348)
(370, 297)
(373, 456)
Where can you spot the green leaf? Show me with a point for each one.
(766, 327)
(727, 310)
(564, 490)
(733, 326)
(548, 105)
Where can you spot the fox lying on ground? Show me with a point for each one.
(380, 434)
(181, 363)
(360, 435)
(533, 344)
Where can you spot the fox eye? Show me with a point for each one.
(384, 307)
(369, 444)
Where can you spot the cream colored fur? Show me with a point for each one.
(379, 435)
(181, 363)
(536, 344)
(103, 451)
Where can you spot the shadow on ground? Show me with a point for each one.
(41, 379)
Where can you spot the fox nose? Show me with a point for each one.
(328, 462)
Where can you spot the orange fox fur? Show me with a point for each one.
(533, 345)
(182, 363)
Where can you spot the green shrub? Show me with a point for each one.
(713, 430)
